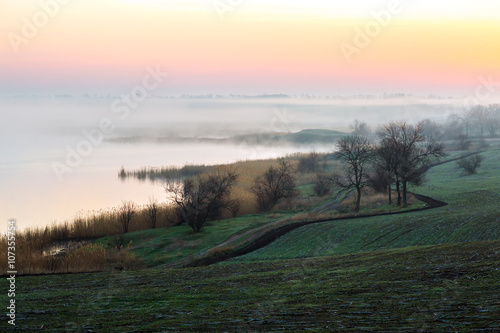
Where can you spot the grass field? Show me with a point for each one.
(438, 288)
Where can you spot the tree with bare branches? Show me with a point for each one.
(385, 170)
(355, 152)
(413, 153)
(466, 119)
(360, 128)
(322, 184)
(127, 211)
(151, 213)
(479, 115)
(493, 122)
(275, 184)
(204, 198)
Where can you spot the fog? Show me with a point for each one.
(195, 117)
(37, 132)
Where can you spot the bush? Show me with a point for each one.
(309, 163)
(322, 185)
(275, 184)
(470, 164)
(204, 198)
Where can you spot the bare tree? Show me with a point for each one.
(151, 213)
(360, 128)
(127, 211)
(431, 130)
(385, 170)
(275, 184)
(452, 128)
(204, 197)
(413, 152)
(493, 122)
(463, 142)
(388, 157)
(479, 115)
(355, 152)
(466, 120)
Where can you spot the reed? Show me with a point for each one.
(36, 248)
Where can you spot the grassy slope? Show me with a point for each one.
(417, 289)
(163, 246)
(472, 215)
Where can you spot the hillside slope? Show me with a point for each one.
(472, 215)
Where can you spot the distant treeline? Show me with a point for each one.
(164, 173)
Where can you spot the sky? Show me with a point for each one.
(249, 46)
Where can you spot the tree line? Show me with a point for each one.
(399, 157)
(479, 122)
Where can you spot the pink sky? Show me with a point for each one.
(105, 47)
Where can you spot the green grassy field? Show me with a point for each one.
(472, 215)
(433, 270)
(433, 288)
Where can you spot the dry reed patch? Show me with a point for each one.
(219, 250)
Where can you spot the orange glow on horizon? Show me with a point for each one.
(85, 43)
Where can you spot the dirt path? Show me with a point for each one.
(264, 236)
(333, 204)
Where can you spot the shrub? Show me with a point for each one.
(322, 185)
(470, 164)
(275, 184)
(204, 198)
(309, 163)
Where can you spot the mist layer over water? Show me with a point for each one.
(38, 132)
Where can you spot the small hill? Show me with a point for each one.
(304, 137)
(309, 136)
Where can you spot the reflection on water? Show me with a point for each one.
(36, 197)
